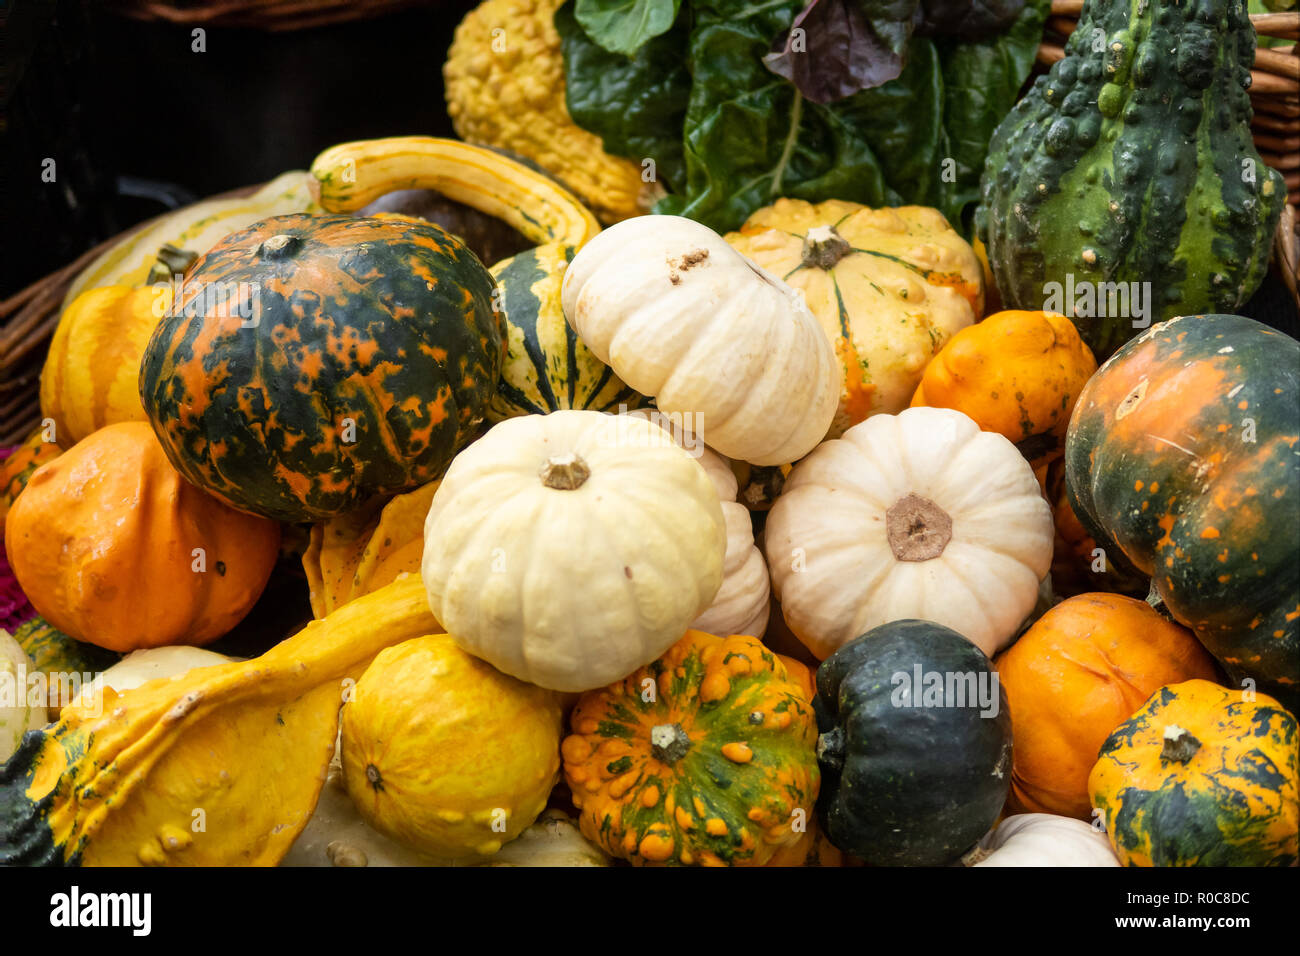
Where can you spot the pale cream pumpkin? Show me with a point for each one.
(743, 601)
(679, 315)
(569, 549)
(915, 515)
(17, 713)
(1043, 839)
(889, 286)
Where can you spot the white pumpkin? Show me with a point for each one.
(152, 663)
(682, 316)
(915, 515)
(1044, 839)
(569, 549)
(743, 601)
(16, 717)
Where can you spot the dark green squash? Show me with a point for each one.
(902, 784)
(313, 362)
(548, 368)
(1132, 161)
(1183, 454)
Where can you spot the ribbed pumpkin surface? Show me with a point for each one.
(327, 359)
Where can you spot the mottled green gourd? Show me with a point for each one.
(1132, 161)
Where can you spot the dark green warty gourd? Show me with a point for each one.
(1132, 161)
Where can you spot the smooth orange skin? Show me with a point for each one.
(103, 542)
(1016, 373)
(1080, 671)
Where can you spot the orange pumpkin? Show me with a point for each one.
(1017, 374)
(1079, 672)
(114, 548)
(91, 375)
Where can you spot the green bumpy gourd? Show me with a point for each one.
(1132, 161)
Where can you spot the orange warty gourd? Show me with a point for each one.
(1079, 672)
(1017, 374)
(114, 548)
(21, 465)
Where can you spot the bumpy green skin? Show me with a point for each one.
(901, 785)
(1132, 161)
(371, 363)
(25, 836)
(547, 367)
(1197, 481)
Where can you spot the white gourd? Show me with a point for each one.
(16, 717)
(682, 316)
(1044, 839)
(915, 515)
(569, 549)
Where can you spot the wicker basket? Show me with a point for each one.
(27, 320)
(272, 15)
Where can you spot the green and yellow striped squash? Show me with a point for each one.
(547, 368)
(704, 757)
(18, 467)
(1201, 776)
(53, 652)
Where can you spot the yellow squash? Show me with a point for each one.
(220, 767)
(352, 175)
(363, 550)
(91, 375)
(444, 753)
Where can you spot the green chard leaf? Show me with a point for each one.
(637, 104)
(623, 26)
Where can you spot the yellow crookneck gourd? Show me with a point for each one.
(219, 767)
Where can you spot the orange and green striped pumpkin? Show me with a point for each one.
(1201, 775)
(1184, 454)
(16, 469)
(704, 757)
(313, 362)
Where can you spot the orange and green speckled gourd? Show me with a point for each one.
(1201, 775)
(706, 757)
(247, 744)
(1184, 454)
(1132, 161)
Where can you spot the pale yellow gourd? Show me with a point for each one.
(569, 549)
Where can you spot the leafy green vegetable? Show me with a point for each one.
(622, 26)
(731, 136)
(636, 105)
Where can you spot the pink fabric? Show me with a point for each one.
(14, 606)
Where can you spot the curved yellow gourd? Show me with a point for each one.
(352, 175)
(219, 767)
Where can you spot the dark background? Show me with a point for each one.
(125, 106)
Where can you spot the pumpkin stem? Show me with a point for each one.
(823, 247)
(279, 246)
(669, 743)
(1180, 746)
(372, 775)
(917, 528)
(171, 261)
(565, 472)
(830, 748)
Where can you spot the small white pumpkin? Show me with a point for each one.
(915, 515)
(569, 549)
(743, 601)
(682, 316)
(16, 717)
(152, 663)
(1044, 839)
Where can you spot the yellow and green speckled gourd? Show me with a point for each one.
(1201, 775)
(1132, 161)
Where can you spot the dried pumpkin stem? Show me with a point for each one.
(279, 246)
(830, 748)
(917, 528)
(669, 743)
(1180, 746)
(823, 247)
(565, 472)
